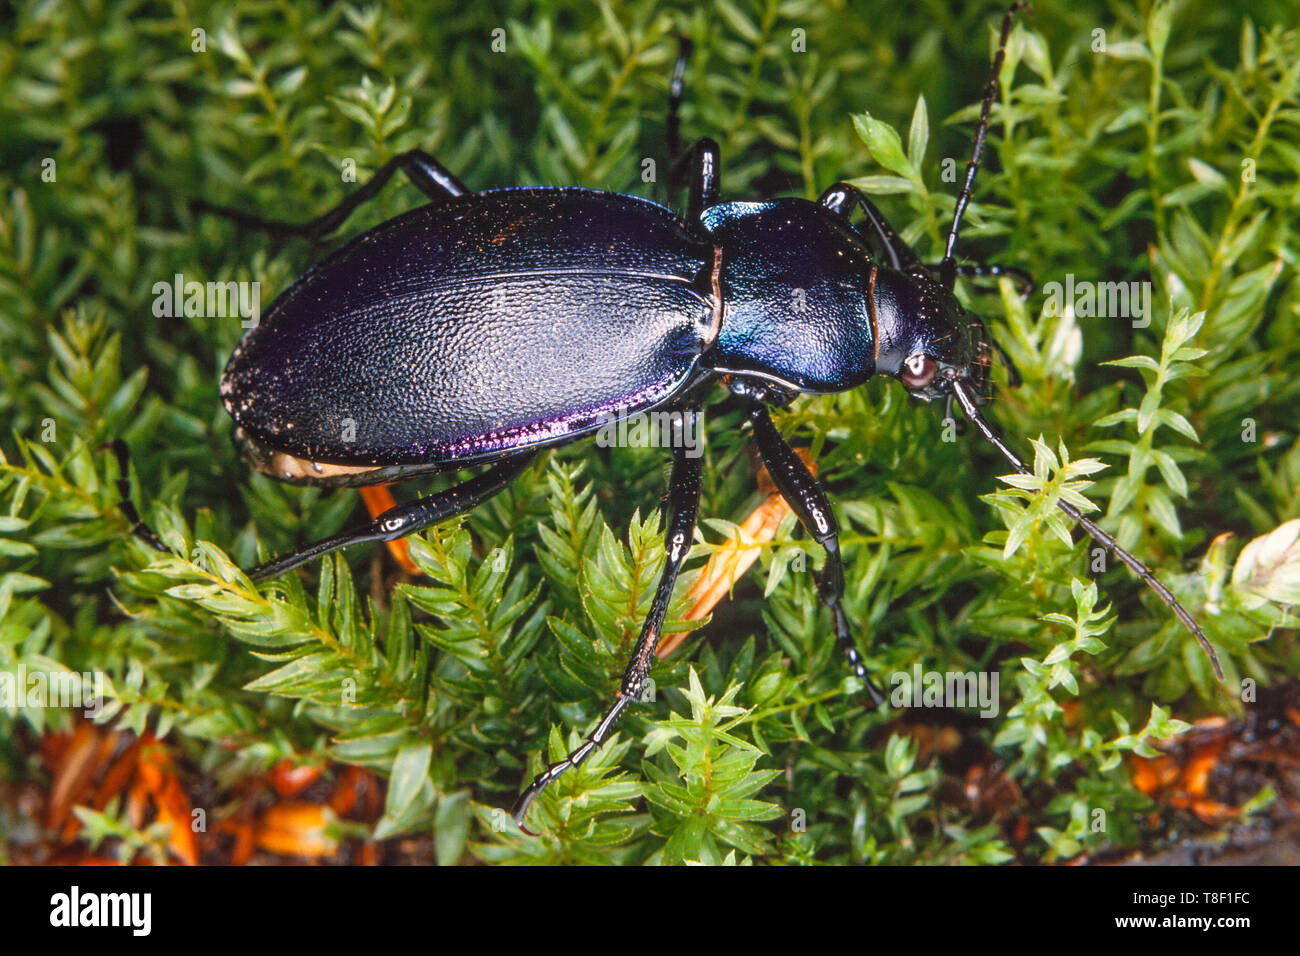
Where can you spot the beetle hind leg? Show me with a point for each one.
(379, 499)
(404, 519)
(430, 176)
(683, 505)
(124, 503)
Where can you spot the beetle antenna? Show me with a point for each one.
(948, 267)
(967, 402)
(1013, 373)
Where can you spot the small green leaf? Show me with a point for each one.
(883, 142)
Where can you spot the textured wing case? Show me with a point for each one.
(476, 325)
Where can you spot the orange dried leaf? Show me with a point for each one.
(75, 769)
(102, 747)
(296, 828)
(245, 834)
(117, 776)
(53, 747)
(137, 803)
(1213, 812)
(729, 563)
(379, 499)
(1144, 776)
(174, 808)
(1196, 775)
(346, 791)
(373, 795)
(291, 779)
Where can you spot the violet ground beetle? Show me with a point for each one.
(483, 327)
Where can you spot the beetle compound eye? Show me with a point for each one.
(919, 371)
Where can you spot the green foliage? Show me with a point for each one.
(1173, 155)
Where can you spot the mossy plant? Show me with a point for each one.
(1156, 144)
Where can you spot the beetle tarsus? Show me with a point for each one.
(676, 88)
(138, 528)
(589, 746)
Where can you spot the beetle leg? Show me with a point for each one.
(703, 161)
(379, 499)
(125, 505)
(842, 199)
(805, 496)
(683, 504)
(404, 519)
(980, 270)
(675, 89)
(702, 158)
(430, 176)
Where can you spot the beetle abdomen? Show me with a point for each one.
(467, 327)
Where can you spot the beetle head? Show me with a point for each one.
(926, 338)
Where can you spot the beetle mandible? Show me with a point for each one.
(484, 327)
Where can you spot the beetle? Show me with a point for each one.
(486, 326)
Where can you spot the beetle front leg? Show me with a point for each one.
(430, 177)
(683, 504)
(800, 489)
(980, 270)
(405, 519)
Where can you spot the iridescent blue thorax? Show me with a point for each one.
(794, 287)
